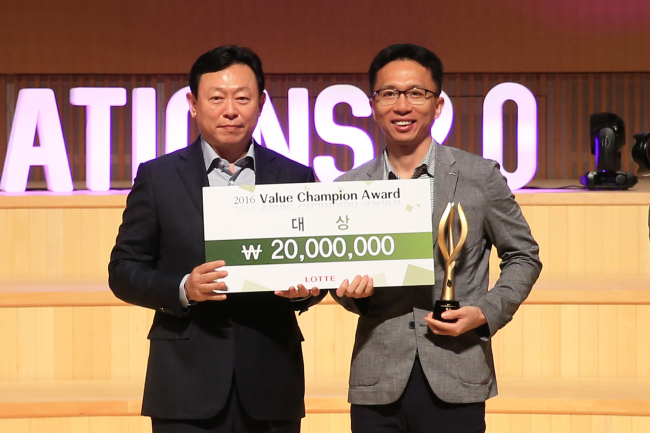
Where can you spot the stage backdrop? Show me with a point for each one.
(564, 103)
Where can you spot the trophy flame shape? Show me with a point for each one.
(449, 251)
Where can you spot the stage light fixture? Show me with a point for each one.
(641, 153)
(607, 136)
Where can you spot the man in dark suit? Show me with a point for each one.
(217, 362)
(410, 372)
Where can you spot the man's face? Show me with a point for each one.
(227, 107)
(405, 124)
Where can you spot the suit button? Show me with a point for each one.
(411, 324)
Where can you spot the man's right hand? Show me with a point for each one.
(200, 285)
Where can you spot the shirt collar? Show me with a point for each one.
(429, 161)
(209, 154)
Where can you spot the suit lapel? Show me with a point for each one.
(444, 187)
(192, 172)
(265, 171)
(376, 169)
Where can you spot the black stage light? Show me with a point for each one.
(607, 135)
(641, 153)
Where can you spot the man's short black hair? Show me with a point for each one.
(223, 57)
(416, 53)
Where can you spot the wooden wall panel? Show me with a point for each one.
(5, 239)
(27, 348)
(326, 423)
(585, 341)
(551, 341)
(642, 341)
(618, 235)
(64, 343)
(589, 341)
(119, 332)
(570, 341)
(56, 238)
(576, 240)
(64, 334)
(334, 37)
(9, 330)
(339, 423)
(524, 423)
(82, 351)
(627, 342)
(83, 424)
(57, 244)
(563, 116)
(531, 349)
(72, 244)
(312, 423)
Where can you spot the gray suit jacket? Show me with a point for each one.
(391, 327)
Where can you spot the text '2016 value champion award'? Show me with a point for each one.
(449, 252)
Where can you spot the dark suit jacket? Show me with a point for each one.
(194, 353)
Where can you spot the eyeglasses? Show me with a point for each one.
(414, 95)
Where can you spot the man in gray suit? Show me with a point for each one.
(410, 372)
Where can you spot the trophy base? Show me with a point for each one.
(442, 306)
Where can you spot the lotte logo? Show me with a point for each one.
(320, 278)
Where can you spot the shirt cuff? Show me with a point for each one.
(300, 299)
(181, 292)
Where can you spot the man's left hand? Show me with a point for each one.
(468, 318)
(360, 287)
(300, 292)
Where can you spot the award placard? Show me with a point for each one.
(276, 236)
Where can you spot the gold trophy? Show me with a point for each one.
(449, 251)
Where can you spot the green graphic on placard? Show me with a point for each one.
(417, 276)
(250, 286)
(320, 249)
(379, 280)
(249, 188)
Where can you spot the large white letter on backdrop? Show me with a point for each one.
(269, 131)
(357, 139)
(177, 122)
(36, 111)
(98, 102)
(526, 131)
(143, 127)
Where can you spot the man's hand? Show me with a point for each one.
(360, 287)
(200, 285)
(300, 292)
(468, 318)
